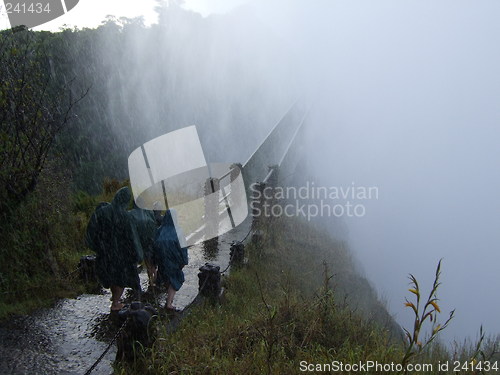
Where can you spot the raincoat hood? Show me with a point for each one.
(122, 198)
(168, 220)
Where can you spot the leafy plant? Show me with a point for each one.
(427, 311)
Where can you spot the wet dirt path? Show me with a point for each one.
(70, 336)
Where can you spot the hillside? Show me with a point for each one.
(297, 299)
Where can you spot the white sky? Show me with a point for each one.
(90, 13)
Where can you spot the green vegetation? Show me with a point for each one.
(40, 242)
(71, 112)
(44, 240)
(429, 312)
(35, 108)
(41, 245)
(42, 218)
(288, 305)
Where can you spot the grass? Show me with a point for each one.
(42, 243)
(298, 301)
(279, 310)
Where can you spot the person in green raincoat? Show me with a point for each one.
(112, 235)
(146, 228)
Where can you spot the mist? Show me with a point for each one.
(405, 98)
(228, 75)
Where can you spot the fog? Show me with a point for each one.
(229, 75)
(408, 100)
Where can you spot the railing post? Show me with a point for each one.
(86, 268)
(273, 183)
(258, 214)
(237, 253)
(212, 187)
(258, 201)
(236, 169)
(273, 180)
(137, 333)
(209, 281)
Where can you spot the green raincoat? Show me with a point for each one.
(146, 228)
(112, 234)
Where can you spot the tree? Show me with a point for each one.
(34, 108)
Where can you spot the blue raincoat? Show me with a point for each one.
(171, 256)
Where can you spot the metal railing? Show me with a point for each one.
(260, 168)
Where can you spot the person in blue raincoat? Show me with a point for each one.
(112, 235)
(146, 228)
(172, 255)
